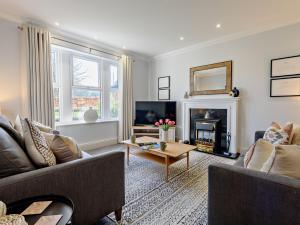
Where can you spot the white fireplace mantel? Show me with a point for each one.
(213, 102)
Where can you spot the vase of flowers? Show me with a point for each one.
(165, 125)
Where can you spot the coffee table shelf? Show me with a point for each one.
(173, 153)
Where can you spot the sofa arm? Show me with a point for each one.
(95, 185)
(258, 135)
(247, 197)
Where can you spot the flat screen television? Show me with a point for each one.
(148, 112)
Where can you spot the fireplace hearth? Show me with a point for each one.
(208, 131)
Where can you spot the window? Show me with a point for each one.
(81, 81)
(56, 88)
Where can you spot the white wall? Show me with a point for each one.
(251, 70)
(10, 101)
(87, 135)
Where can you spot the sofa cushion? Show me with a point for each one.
(295, 137)
(276, 134)
(7, 126)
(13, 159)
(36, 145)
(284, 160)
(258, 154)
(65, 149)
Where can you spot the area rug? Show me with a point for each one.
(183, 200)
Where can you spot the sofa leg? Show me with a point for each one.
(118, 214)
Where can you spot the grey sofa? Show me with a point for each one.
(239, 196)
(94, 184)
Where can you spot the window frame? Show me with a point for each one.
(65, 58)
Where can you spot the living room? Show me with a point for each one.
(142, 112)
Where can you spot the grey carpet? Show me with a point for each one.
(152, 201)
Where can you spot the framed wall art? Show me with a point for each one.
(164, 82)
(164, 88)
(163, 94)
(285, 87)
(288, 66)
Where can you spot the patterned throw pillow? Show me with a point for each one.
(276, 134)
(36, 145)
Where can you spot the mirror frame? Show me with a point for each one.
(228, 87)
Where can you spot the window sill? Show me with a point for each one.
(82, 122)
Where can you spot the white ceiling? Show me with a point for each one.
(153, 27)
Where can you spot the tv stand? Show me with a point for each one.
(151, 131)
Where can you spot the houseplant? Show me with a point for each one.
(165, 125)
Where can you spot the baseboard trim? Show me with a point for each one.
(98, 144)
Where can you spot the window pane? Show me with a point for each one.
(54, 66)
(56, 104)
(85, 73)
(82, 99)
(113, 104)
(113, 77)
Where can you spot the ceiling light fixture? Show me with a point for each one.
(56, 23)
(181, 38)
(124, 47)
(218, 25)
(95, 37)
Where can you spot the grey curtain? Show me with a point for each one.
(125, 120)
(39, 77)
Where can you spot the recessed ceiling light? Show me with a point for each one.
(56, 23)
(124, 47)
(218, 25)
(181, 38)
(95, 37)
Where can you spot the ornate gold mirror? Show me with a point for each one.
(211, 79)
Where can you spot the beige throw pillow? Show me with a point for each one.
(65, 149)
(18, 124)
(276, 134)
(295, 137)
(36, 145)
(284, 160)
(258, 154)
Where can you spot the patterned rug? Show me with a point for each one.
(183, 200)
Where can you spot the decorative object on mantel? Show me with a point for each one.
(90, 115)
(234, 92)
(211, 79)
(164, 125)
(163, 146)
(186, 95)
(285, 77)
(164, 88)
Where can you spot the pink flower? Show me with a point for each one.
(167, 120)
(161, 121)
(157, 124)
(170, 122)
(173, 123)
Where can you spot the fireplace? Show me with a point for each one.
(208, 130)
(207, 134)
(215, 118)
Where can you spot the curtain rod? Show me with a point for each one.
(84, 46)
(70, 42)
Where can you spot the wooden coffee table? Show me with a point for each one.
(172, 154)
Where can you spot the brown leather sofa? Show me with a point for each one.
(94, 184)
